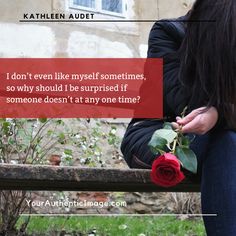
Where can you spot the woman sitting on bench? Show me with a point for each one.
(199, 52)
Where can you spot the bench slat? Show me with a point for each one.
(53, 178)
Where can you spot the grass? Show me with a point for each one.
(117, 226)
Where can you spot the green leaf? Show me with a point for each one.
(2, 120)
(61, 138)
(188, 158)
(6, 127)
(156, 144)
(43, 120)
(167, 125)
(49, 132)
(168, 134)
(60, 122)
(185, 142)
(68, 152)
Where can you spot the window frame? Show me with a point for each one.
(98, 8)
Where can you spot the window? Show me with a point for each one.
(85, 3)
(110, 7)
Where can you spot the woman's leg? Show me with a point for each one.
(216, 153)
(219, 184)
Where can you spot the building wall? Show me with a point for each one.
(80, 39)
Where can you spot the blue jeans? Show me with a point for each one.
(216, 153)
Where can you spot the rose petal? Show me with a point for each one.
(166, 171)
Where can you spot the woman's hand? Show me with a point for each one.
(199, 121)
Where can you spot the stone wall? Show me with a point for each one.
(80, 39)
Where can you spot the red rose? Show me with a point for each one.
(166, 171)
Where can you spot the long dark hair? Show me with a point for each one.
(208, 57)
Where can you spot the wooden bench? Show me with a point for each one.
(39, 177)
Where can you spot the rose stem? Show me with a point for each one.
(174, 145)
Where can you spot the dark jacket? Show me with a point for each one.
(164, 41)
